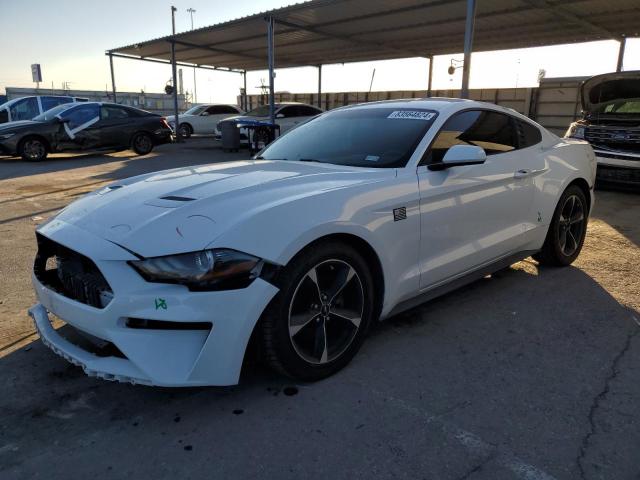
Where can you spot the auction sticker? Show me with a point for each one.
(411, 115)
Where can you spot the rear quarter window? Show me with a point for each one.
(528, 135)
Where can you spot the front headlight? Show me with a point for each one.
(218, 269)
(6, 136)
(575, 131)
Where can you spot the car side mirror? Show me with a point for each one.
(205, 114)
(280, 115)
(63, 120)
(459, 156)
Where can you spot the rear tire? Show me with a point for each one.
(185, 130)
(320, 317)
(567, 230)
(33, 149)
(142, 143)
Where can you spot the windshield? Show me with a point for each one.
(619, 97)
(50, 114)
(198, 109)
(360, 137)
(262, 111)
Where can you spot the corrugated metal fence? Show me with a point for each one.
(554, 104)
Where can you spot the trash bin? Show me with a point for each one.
(230, 135)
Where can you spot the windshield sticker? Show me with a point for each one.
(411, 115)
(372, 158)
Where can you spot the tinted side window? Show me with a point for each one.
(4, 116)
(289, 112)
(304, 111)
(492, 131)
(528, 135)
(112, 113)
(80, 115)
(49, 102)
(25, 109)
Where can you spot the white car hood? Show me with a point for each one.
(185, 209)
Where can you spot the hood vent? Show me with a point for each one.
(175, 198)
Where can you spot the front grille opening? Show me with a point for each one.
(145, 324)
(70, 274)
(89, 343)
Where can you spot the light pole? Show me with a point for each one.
(191, 12)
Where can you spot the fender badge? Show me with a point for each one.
(161, 303)
(399, 214)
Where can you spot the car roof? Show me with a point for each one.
(439, 104)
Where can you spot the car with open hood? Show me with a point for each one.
(611, 124)
(358, 214)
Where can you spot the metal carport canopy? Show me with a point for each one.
(340, 31)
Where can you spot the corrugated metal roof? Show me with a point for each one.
(340, 31)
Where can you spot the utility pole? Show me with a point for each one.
(191, 12)
(174, 74)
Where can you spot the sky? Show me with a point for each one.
(69, 37)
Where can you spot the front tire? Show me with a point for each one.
(567, 229)
(142, 143)
(33, 149)
(320, 317)
(186, 130)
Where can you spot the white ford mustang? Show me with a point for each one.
(360, 213)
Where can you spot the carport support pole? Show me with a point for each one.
(113, 79)
(244, 96)
(272, 111)
(623, 45)
(468, 46)
(319, 86)
(429, 82)
(174, 74)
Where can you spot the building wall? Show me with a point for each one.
(159, 103)
(554, 104)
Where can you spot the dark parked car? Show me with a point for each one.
(84, 126)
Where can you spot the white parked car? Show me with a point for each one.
(287, 115)
(361, 213)
(202, 119)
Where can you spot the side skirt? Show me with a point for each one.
(465, 279)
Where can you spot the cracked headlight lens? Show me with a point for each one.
(217, 269)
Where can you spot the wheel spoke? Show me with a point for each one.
(341, 282)
(320, 348)
(563, 239)
(574, 243)
(298, 322)
(313, 276)
(577, 219)
(343, 314)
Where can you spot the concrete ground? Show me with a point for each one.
(529, 374)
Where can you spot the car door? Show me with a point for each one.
(79, 129)
(114, 126)
(472, 215)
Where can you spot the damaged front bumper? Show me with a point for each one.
(156, 329)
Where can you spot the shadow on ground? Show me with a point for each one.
(529, 372)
